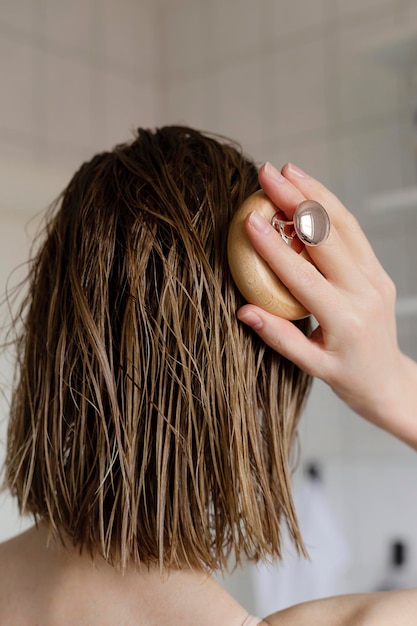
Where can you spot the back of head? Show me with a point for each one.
(148, 425)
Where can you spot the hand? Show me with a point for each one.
(354, 349)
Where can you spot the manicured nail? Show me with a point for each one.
(296, 170)
(273, 173)
(258, 222)
(251, 319)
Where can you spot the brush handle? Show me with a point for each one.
(252, 275)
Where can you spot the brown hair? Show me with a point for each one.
(147, 424)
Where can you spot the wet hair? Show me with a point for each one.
(147, 424)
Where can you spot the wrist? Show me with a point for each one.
(396, 408)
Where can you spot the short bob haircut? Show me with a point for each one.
(147, 424)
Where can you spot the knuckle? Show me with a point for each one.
(384, 291)
(356, 322)
(304, 274)
(375, 300)
(390, 288)
(380, 299)
(351, 223)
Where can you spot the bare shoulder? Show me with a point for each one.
(10, 558)
(394, 607)
(373, 609)
(14, 549)
(17, 578)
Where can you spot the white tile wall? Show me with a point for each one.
(321, 427)
(235, 31)
(18, 15)
(296, 89)
(359, 7)
(410, 251)
(75, 76)
(238, 102)
(289, 20)
(312, 154)
(185, 36)
(365, 90)
(68, 108)
(134, 102)
(369, 160)
(188, 101)
(69, 24)
(17, 61)
(128, 36)
(411, 10)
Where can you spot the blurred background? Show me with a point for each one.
(328, 84)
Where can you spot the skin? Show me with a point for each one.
(354, 350)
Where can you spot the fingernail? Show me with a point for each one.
(273, 173)
(296, 170)
(251, 319)
(258, 222)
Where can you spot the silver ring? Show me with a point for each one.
(311, 224)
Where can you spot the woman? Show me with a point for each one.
(150, 431)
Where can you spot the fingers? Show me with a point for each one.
(314, 190)
(284, 337)
(318, 292)
(331, 257)
(299, 187)
(342, 220)
(281, 191)
(345, 269)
